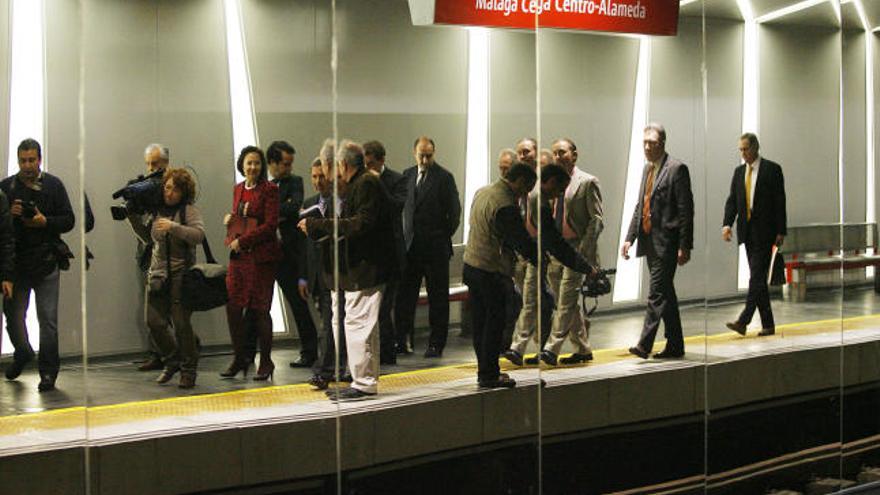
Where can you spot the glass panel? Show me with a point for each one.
(42, 399)
(860, 427)
(774, 362)
(601, 91)
(445, 101)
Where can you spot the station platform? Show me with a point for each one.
(232, 434)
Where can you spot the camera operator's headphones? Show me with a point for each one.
(595, 287)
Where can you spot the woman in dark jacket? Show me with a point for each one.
(253, 257)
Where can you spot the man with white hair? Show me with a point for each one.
(156, 158)
(365, 237)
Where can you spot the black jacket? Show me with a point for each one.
(290, 193)
(395, 186)
(431, 216)
(672, 211)
(312, 253)
(365, 235)
(35, 247)
(7, 241)
(768, 211)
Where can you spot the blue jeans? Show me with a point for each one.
(46, 293)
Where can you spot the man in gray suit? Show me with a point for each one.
(663, 223)
(578, 215)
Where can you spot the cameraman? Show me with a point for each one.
(41, 212)
(175, 232)
(156, 158)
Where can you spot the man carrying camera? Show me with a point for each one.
(156, 159)
(41, 212)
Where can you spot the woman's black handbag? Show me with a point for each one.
(204, 284)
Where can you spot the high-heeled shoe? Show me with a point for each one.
(235, 367)
(265, 371)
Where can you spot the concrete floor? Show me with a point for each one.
(114, 380)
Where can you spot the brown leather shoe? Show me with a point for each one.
(152, 364)
(187, 380)
(638, 352)
(167, 375)
(737, 327)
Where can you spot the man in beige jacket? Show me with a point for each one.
(579, 217)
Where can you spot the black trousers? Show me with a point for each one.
(435, 271)
(758, 254)
(287, 279)
(387, 334)
(325, 364)
(486, 292)
(662, 302)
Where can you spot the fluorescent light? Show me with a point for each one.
(682, 3)
(477, 159)
(745, 9)
(26, 107)
(244, 129)
(628, 280)
(797, 7)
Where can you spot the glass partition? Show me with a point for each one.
(43, 261)
(860, 341)
(773, 396)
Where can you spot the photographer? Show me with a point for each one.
(156, 158)
(174, 232)
(41, 212)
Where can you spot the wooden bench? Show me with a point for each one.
(817, 255)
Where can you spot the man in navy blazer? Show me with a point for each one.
(663, 224)
(431, 216)
(757, 203)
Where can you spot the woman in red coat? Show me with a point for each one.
(253, 257)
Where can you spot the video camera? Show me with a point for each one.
(141, 195)
(596, 286)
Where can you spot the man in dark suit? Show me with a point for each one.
(431, 216)
(663, 223)
(312, 285)
(280, 156)
(757, 203)
(395, 186)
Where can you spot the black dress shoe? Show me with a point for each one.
(576, 358)
(531, 361)
(737, 327)
(47, 382)
(319, 382)
(350, 394)
(16, 367)
(549, 358)
(403, 349)
(637, 351)
(503, 381)
(766, 332)
(303, 362)
(167, 375)
(669, 354)
(433, 352)
(513, 356)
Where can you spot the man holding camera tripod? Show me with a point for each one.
(41, 212)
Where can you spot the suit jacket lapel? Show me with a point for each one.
(664, 169)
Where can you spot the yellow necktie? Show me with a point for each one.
(748, 192)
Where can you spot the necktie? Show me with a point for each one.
(421, 179)
(748, 192)
(646, 201)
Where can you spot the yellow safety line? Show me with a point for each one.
(288, 394)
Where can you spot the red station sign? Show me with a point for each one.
(655, 17)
